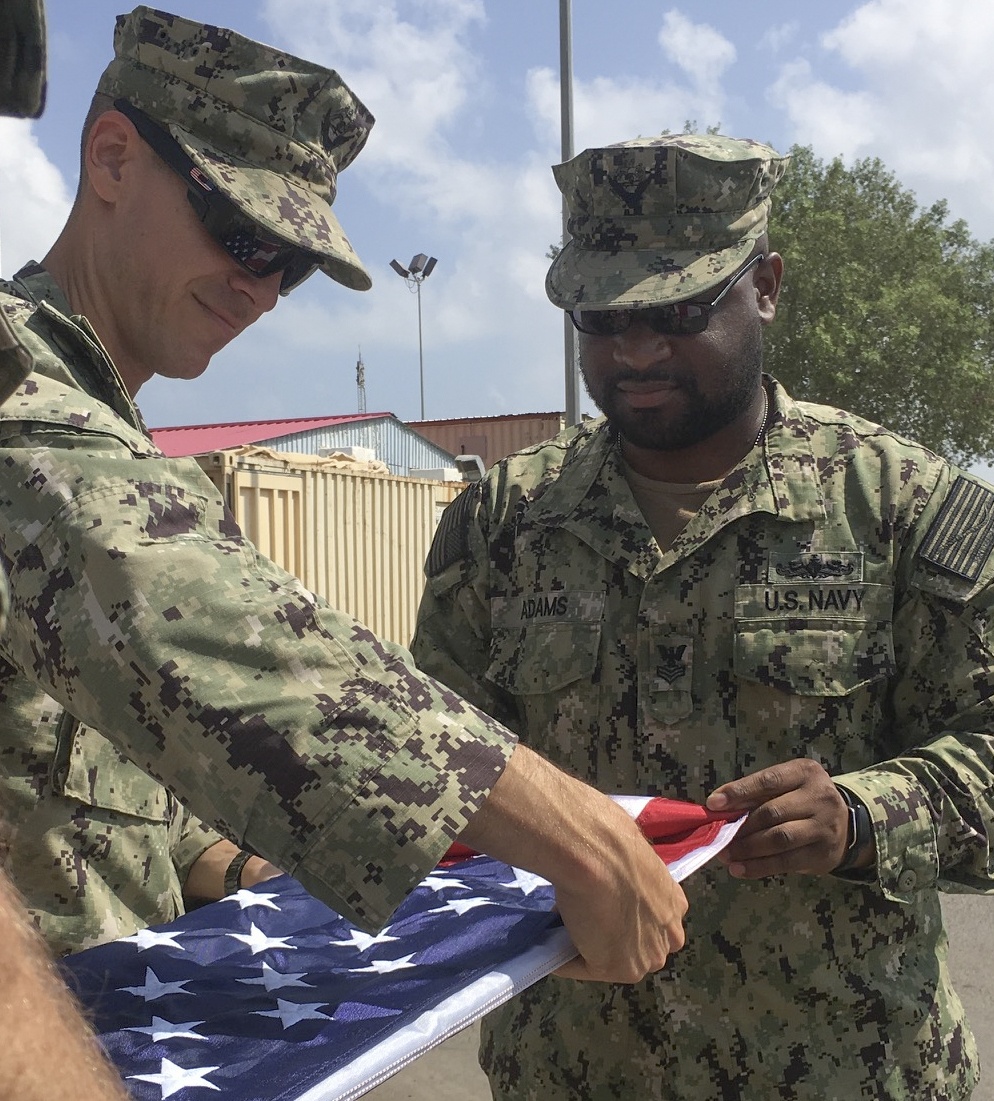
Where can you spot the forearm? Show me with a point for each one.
(39, 1020)
(205, 880)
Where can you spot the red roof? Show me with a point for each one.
(202, 439)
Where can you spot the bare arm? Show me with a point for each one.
(205, 880)
(616, 898)
(39, 1020)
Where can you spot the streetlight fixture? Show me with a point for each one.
(416, 272)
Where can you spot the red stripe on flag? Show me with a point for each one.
(673, 827)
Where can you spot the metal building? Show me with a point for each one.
(491, 437)
(390, 441)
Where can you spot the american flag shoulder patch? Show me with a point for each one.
(451, 542)
(961, 537)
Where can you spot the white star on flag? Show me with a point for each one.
(460, 906)
(246, 898)
(257, 940)
(362, 941)
(291, 1013)
(384, 967)
(166, 1030)
(153, 988)
(438, 883)
(272, 979)
(172, 1078)
(148, 938)
(526, 882)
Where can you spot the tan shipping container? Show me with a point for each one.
(351, 531)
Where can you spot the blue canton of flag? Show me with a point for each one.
(267, 995)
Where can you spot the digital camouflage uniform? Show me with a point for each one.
(833, 599)
(22, 94)
(140, 612)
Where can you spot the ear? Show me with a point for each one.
(769, 275)
(111, 146)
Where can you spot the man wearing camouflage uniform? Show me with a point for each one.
(209, 167)
(719, 593)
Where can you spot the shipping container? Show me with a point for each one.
(351, 531)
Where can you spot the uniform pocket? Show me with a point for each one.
(812, 680)
(822, 659)
(543, 658)
(89, 769)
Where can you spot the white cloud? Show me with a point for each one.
(778, 38)
(698, 49)
(34, 198)
(416, 76)
(609, 110)
(841, 123)
(925, 98)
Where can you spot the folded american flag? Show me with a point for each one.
(268, 995)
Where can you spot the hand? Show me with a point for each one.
(625, 926)
(798, 822)
(618, 902)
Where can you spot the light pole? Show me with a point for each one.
(566, 119)
(420, 267)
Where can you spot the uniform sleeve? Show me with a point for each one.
(932, 804)
(138, 605)
(452, 635)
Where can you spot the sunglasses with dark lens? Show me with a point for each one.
(677, 319)
(239, 236)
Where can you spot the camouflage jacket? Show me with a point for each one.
(833, 599)
(15, 363)
(138, 606)
(95, 844)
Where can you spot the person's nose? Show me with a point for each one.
(263, 292)
(641, 348)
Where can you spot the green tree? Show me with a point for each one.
(887, 309)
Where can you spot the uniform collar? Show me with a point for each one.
(87, 359)
(592, 499)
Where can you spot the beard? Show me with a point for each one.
(703, 416)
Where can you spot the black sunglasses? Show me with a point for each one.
(677, 319)
(238, 235)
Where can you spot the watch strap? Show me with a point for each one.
(860, 828)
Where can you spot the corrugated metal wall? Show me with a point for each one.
(492, 437)
(402, 449)
(356, 536)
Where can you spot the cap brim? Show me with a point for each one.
(289, 211)
(597, 279)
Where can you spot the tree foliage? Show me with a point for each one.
(887, 309)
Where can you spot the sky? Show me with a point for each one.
(466, 97)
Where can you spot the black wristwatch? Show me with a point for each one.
(233, 873)
(860, 828)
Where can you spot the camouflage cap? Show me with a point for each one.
(22, 58)
(270, 130)
(658, 220)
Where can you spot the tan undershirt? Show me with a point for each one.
(667, 506)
